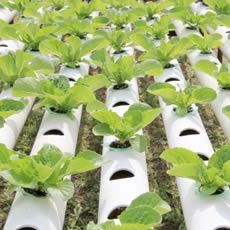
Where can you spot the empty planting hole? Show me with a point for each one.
(116, 212)
(71, 79)
(120, 103)
(188, 132)
(122, 174)
(222, 228)
(54, 132)
(172, 79)
(3, 45)
(26, 228)
(203, 156)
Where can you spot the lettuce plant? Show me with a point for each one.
(54, 92)
(55, 4)
(124, 128)
(206, 43)
(21, 64)
(31, 34)
(72, 51)
(221, 74)
(165, 52)
(211, 177)
(144, 213)
(183, 99)
(9, 107)
(119, 72)
(46, 172)
(120, 5)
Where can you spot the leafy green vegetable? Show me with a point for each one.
(143, 213)
(47, 171)
(212, 178)
(221, 74)
(123, 128)
(9, 107)
(183, 99)
(125, 68)
(226, 111)
(55, 92)
(72, 51)
(21, 64)
(206, 43)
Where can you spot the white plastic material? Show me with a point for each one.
(7, 46)
(14, 124)
(6, 15)
(48, 212)
(119, 193)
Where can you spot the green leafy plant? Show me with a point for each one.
(181, 3)
(31, 34)
(55, 4)
(226, 111)
(46, 172)
(144, 213)
(72, 51)
(221, 74)
(120, 5)
(124, 69)
(211, 178)
(21, 64)
(206, 43)
(183, 99)
(9, 107)
(54, 92)
(165, 52)
(124, 128)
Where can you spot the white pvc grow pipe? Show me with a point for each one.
(47, 212)
(7, 15)
(7, 46)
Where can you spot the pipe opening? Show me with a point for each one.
(203, 156)
(172, 79)
(116, 212)
(72, 79)
(3, 45)
(122, 174)
(54, 132)
(222, 228)
(26, 228)
(120, 103)
(188, 132)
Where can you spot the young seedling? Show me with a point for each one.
(124, 69)
(124, 128)
(211, 178)
(182, 99)
(221, 74)
(46, 172)
(144, 213)
(21, 64)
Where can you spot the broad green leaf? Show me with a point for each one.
(206, 67)
(139, 143)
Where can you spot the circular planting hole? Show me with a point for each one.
(122, 174)
(26, 228)
(203, 156)
(222, 228)
(121, 86)
(120, 103)
(3, 45)
(188, 132)
(172, 79)
(119, 145)
(116, 212)
(72, 79)
(54, 132)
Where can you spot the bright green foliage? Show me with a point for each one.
(72, 50)
(21, 64)
(125, 68)
(221, 74)
(9, 107)
(19, 5)
(31, 34)
(55, 92)
(226, 111)
(181, 3)
(45, 173)
(183, 99)
(121, 5)
(206, 43)
(123, 128)
(165, 52)
(211, 178)
(55, 4)
(143, 213)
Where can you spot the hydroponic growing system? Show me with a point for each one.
(55, 55)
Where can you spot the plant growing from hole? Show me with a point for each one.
(55, 4)
(46, 172)
(21, 64)
(31, 34)
(222, 74)
(54, 92)
(9, 107)
(121, 71)
(72, 51)
(206, 43)
(211, 178)
(182, 99)
(125, 127)
(144, 213)
(120, 5)
(165, 52)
